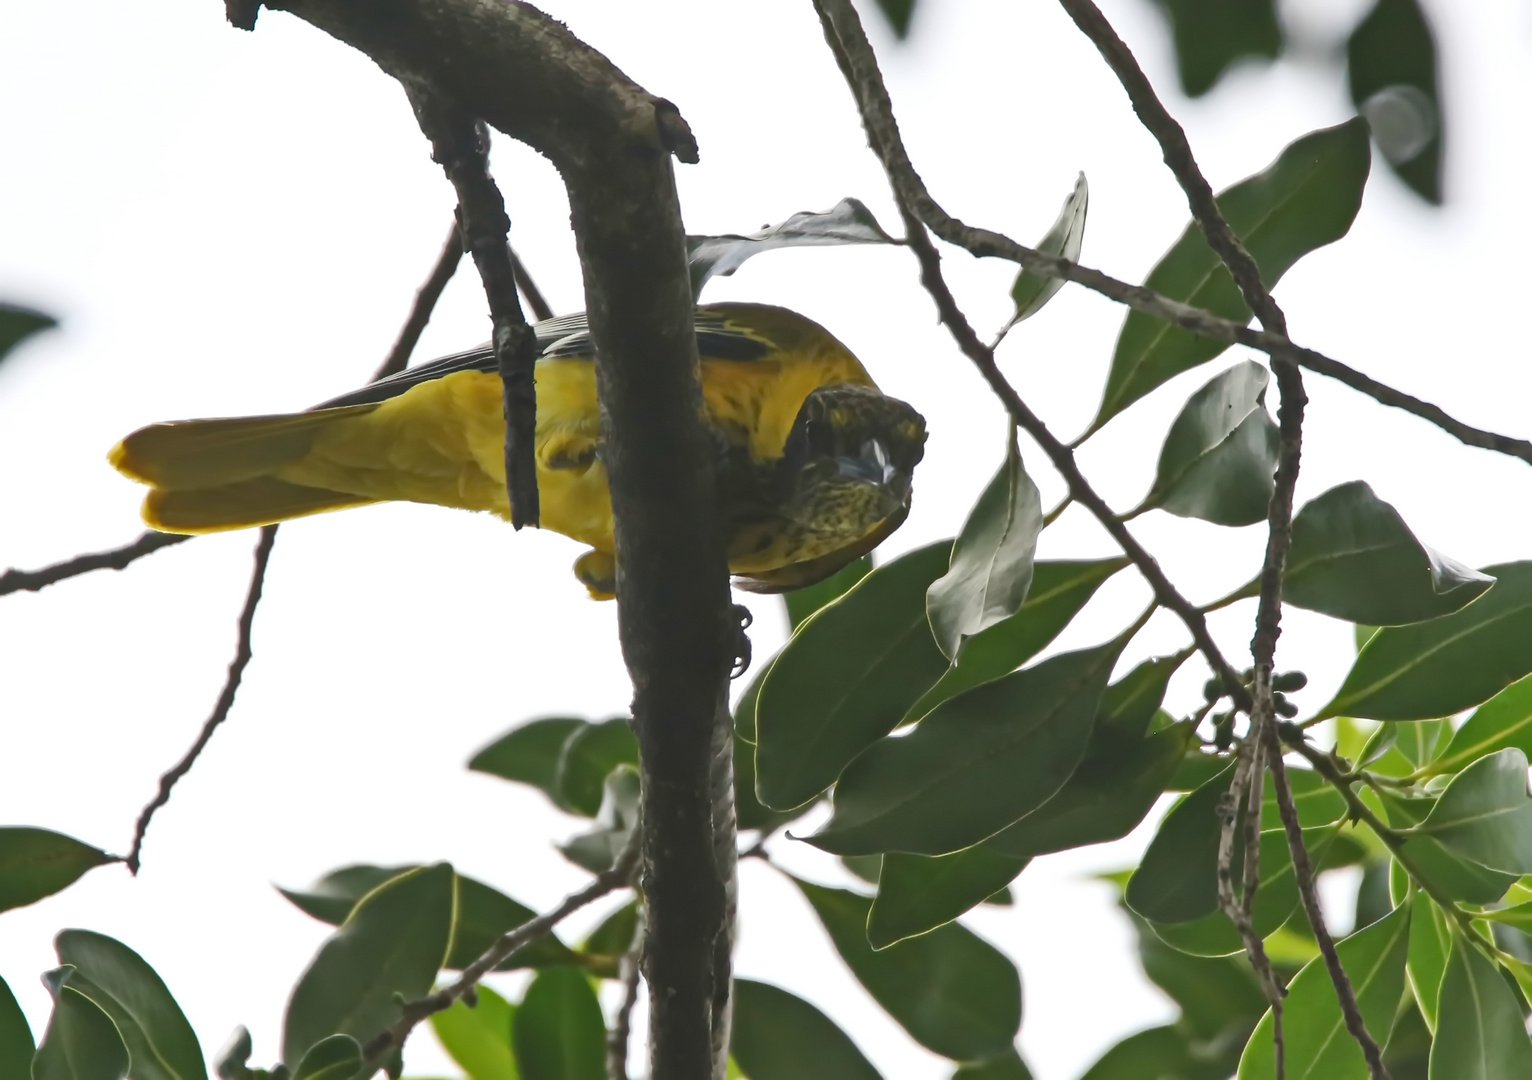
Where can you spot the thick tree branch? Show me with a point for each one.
(116, 559)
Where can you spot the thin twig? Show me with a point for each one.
(622, 1024)
(529, 290)
(425, 303)
(242, 654)
(618, 875)
(116, 559)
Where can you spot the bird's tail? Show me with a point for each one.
(213, 475)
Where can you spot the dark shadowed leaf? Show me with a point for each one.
(338, 1057)
(1007, 1066)
(1220, 454)
(1031, 291)
(898, 13)
(847, 678)
(479, 1039)
(19, 323)
(1480, 1031)
(529, 754)
(81, 1042)
(588, 756)
(1163, 1053)
(801, 603)
(1485, 814)
(976, 764)
(1354, 558)
(1391, 66)
(1318, 1045)
(1219, 996)
(1437, 668)
(1430, 947)
(749, 811)
(779, 1036)
(159, 1039)
(1177, 880)
(1212, 35)
(1503, 721)
(745, 707)
(1408, 1053)
(917, 893)
(558, 1031)
(393, 943)
(615, 935)
(1305, 200)
(35, 863)
(15, 1036)
(847, 222)
(954, 993)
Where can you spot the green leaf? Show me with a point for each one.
(954, 993)
(745, 708)
(1420, 742)
(847, 222)
(1305, 200)
(1220, 455)
(558, 1031)
(1503, 721)
(231, 1061)
(917, 893)
(1031, 291)
(1318, 1044)
(1212, 35)
(749, 811)
(898, 13)
(801, 603)
(1440, 667)
(1162, 1053)
(598, 849)
(1485, 814)
(1219, 997)
(1008, 1066)
(479, 1039)
(529, 754)
(976, 764)
(483, 914)
(778, 1036)
(1480, 1031)
(159, 1039)
(588, 757)
(991, 566)
(1430, 946)
(35, 863)
(846, 679)
(1177, 879)
(81, 1042)
(393, 943)
(15, 1036)
(1354, 558)
(18, 323)
(1391, 66)
(1451, 874)
(1407, 1055)
(1059, 590)
(337, 1057)
(614, 937)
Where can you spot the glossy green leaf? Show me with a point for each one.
(1354, 558)
(18, 323)
(1485, 814)
(1480, 1031)
(1059, 590)
(35, 863)
(1220, 455)
(1177, 879)
(1219, 997)
(1391, 66)
(393, 943)
(1503, 721)
(847, 222)
(1007, 1066)
(1450, 873)
(81, 1042)
(745, 707)
(1440, 667)
(479, 1039)
(801, 603)
(976, 764)
(1161, 1053)
(159, 1039)
(847, 678)
(1306, 199)
(588, 757)
(749, 812)
(598, 849)
(16, 1044)
(337, 1057)
(558, 1031)
(1318, 1044)
(1419, 743)
(483, 914)
(779, 1036)
(1031, 291)
(529, 754)
(917, 893)
(1212, 35)
(953, 992)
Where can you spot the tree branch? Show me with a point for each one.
(425, 302)
(622, 1023)
(116, 559)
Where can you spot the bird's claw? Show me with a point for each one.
(741, 641)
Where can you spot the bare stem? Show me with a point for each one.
(425, 303)
(116, 559)
(622, 1024)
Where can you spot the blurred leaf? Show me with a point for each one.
(1007, 1066)
(35, 863)
(1031, 291)
(1220, 455)
(1059, 590)
(558, 1031)
(1177, 880)
(745, 707)
(598, 849)
(1211, 35)
(1480, 1031)
(778, 1036)
(976, 764)
(588, 756)
(393, 943)
(230, 1062)
(1391, 66)
(1162, 1053)
(1197, 768)
(1440, 667)
(1219, 997)
(1317, 802)
(898, 13)
(1305, 200)
(1354, 558)
(479, 1039)
(954, 993)
(1451, 874)
(338, 1057)
(1372, 901)
(917, 893)
(1407, 1054)
(159, 1039)
(1420, 742)
(801, 603)
(847, 222)
(846, 679)
(614, 937)
(749, 812)
(991, 564)
(18, 323)
(1485, 814)
(1503, 721)
(1318, 1045)
(529, 754)
(16, 1044)
(81, 1042)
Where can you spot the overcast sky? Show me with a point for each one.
(236, 223)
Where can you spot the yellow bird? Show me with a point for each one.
(814, 462)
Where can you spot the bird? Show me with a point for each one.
(814, 463)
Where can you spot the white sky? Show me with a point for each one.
(231, 223)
